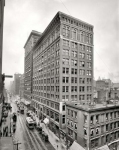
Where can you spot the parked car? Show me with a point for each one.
(45, 136)
(39, 129)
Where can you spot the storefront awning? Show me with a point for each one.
(27, 103)
(76, 146)
(46, 121)
(105, 147)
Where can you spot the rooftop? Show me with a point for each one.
(94, 107)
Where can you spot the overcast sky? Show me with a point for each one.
(23, 16)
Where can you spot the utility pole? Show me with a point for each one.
(17, 144)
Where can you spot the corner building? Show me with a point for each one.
(93, 126)
(62, 68)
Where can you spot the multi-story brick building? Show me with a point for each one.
(93, 126)
(11, 89)
(62, 67)
(2, 4)
(21, 89)
(103, 84)
(17, 77)
(28, 66)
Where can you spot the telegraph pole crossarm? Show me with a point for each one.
(17, 144)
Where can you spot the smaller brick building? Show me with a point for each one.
(93, 126)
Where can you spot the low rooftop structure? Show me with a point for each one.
(93, 106)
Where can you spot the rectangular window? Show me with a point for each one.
(82, 64)
(74, 33)
(73, 71)
(89, 96)
(81, 55)
(81, 80)
(89, 72)
(81, 88)
(63, 107)
(66, 43)
(81, 72)
(65, 61)
(74, 45)
(89, 88)
(74, 54)
(89, 64)
(63, 119)
(67, 70)
(74, 62)
(92, 119)
(66, 52)
(89, 80)
(66, 31)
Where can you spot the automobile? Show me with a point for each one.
(45, 136)
(39, 129)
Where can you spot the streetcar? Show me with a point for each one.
(29, 123)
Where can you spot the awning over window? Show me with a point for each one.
(105, 147)
(46, 121)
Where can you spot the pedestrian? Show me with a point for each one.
(0, 133)
(4, 131)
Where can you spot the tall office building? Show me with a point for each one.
(28, 67)
(21, 88)
(11, 89)
(62, 67)
(17, 77)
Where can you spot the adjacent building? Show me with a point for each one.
(28, 66)
(104, 84)
(93, 126)
(21, 88)
(17, 77)
(11, 89)
(2, 4)
(62, 68)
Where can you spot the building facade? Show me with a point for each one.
(21, 89)
(11, 89)
(62, 67)
(93, 126)
(2, 4)
(28, 66)
(17, 77)
(104, 84)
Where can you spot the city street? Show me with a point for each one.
(28, 139)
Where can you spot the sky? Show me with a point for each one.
(23, 16)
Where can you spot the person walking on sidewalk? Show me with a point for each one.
(0, 133)
(4, 131)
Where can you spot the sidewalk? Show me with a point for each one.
(6, 142)
(54, 140)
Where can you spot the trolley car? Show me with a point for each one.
(29, 123)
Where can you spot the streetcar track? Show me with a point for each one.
(37, 144)
(31, 146)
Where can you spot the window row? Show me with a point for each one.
(76, 34)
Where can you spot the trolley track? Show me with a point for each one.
(28, 138)
(35, 142)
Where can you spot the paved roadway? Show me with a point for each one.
(29, 139)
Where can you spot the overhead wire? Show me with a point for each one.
(95, 50)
